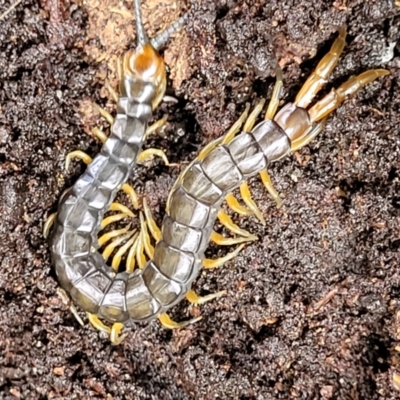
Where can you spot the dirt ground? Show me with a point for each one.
(312, 309)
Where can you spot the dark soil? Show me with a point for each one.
(312, 309)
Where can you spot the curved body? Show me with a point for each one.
(196, 198)
(80, 268)
(193, 206)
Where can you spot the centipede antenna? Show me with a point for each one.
(162, 37)
(5, 13)
(141, 35)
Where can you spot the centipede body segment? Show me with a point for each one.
(194, 202)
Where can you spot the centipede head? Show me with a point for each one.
(145, 64)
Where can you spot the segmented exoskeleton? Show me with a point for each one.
(224, 165)
(81, 269)
(193, 205)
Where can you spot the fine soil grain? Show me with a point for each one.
(312, 309)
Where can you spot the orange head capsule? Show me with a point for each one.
(144, 65)
(147, 66)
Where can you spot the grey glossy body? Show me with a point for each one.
(80, 269)
(193, 206)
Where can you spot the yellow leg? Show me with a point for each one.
(105, 114)
(251, 120)
(113, 332)
(115, 336)
(96, 323)
(193, 298)
(155, 127)
(112, 92)
(235, 128)
(226, 221)
(209, 264)
(116, 261)
(223, 241)
(130, 258)
(246, 195)
(122, 208)
(266, 180)
(276, 94)
(321, 110)
(333, 100)
(149, 249)
(112, 218)
(99, 134)
(130, 191)
(140, 257)
(77, 154)
(48, 224)
(115, 243)
(321, 74)
(153, 228)
(148, 154)
(236, 206)
(168, 323)
(111, 235)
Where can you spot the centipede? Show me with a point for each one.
(173, 263)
